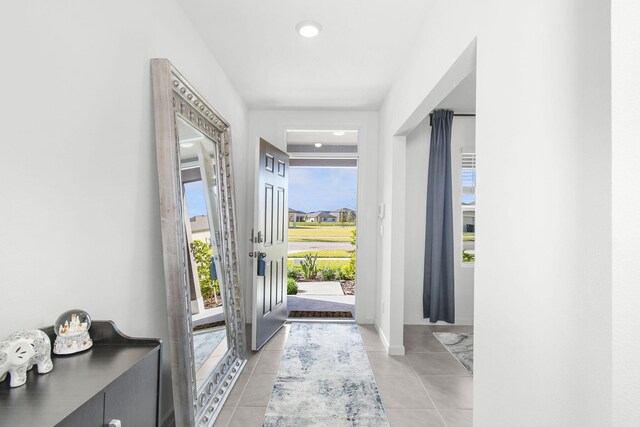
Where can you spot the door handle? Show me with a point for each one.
(257, 254)
(260, 239)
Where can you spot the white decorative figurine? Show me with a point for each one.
(21, 351)
(72, 332)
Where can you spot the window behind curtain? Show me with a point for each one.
(468, 201)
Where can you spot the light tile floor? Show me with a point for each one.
(425, 388)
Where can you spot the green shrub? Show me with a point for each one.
(294, 272)
(292, 287)
(348, 272)
(310, 266)
(322, 263)
(328, 273)
(322, 254)
(467, 257)
(202, 254)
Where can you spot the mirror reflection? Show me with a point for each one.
(201, 219)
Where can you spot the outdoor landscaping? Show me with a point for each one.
(468, 240)
(322, 254)
(209, 288)
(320, 232)
(323, 265)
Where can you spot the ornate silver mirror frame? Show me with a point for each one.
(174, 97)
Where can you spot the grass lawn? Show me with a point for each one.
(322, 224)
(469, 237)
(319, 239)
(322, 254)
(313, 231)
(328, 263)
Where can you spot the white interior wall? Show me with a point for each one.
(542, 280)
(449, 29)
(80, 218)
(417, 167)
(542, 300)
(272, 125)
(625, 15)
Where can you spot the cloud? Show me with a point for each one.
(310, 189)
(322, 189)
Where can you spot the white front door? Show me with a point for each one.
(270, 243)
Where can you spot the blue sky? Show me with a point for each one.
(322, 189)
(313, 189)
(194, 194)
(310, 189)
(468, 180)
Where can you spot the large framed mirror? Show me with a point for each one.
(204, 301)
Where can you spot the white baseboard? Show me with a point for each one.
(461, 321)
(396, 350)
(383, 338)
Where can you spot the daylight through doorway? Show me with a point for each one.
(322, 224)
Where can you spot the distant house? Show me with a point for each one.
(296, 216)
(344, 215)
(200, 228)
(321, 216)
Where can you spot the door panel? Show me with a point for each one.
(280, 216)
(268, 215)
(270, 243)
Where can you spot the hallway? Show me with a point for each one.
(426, 387)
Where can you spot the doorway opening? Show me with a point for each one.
(323, 216)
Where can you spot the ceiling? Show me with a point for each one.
(310, 137)
(350, 65)
(462, 99)
(189, 137)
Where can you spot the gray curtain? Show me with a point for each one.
(438, 295)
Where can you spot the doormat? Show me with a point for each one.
(323, 314)
(325, 379)
(460, 346)
(208, 326)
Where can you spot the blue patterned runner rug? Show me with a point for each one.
(325, 379)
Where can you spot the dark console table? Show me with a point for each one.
(115, 383)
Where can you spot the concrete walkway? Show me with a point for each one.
(321, 296)
(319, 246)
(322, 303)
(320, 288)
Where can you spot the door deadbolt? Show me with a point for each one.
(257, 239)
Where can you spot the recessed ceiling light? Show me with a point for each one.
(338, 132)
(308, 29)
(186, 144)
(318, 145)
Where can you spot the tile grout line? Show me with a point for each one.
(467, 374)
(235, 407)
(431, 399)
(424, 386)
